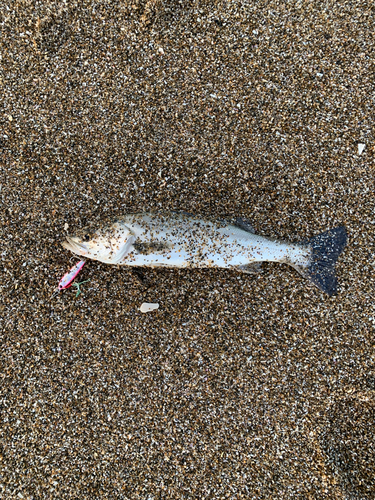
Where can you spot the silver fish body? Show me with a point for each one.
(184, 241)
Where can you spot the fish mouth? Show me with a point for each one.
(74, 246)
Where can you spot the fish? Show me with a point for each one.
(182, 240)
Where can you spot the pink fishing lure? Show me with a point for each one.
(68, 278)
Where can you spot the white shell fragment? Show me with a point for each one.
(361, 147)
(147, 307)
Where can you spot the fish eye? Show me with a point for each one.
(87, 237)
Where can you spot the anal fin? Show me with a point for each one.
(252, 268)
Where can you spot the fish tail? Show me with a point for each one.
(326, 248)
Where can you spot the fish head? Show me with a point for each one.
(109, 244)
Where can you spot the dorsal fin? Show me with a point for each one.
(244, 224)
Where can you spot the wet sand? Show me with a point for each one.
(237, 386)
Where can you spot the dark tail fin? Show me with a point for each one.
(326, 248)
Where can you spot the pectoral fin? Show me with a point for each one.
(150, 247)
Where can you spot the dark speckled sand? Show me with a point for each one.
(237, 387)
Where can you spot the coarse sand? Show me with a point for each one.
(237, 387)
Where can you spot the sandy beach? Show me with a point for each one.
(237, 386)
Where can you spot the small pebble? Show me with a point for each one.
(361, 147)
(147, 307)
